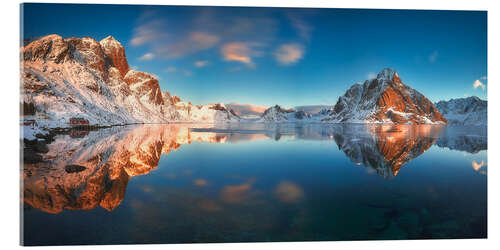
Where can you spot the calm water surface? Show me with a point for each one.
(255, 182)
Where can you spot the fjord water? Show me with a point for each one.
(183, 183)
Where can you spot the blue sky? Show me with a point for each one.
(286, 56)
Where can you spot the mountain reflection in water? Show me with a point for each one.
(279, 173)
(109, 157)
(386, 147)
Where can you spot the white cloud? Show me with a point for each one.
(289, 54)
(478, 83)
(147, 57)
(371, 75)
(484, 78)
(433, 56)
(171, 69)
(201, 64)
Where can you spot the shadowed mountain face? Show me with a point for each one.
(386, 148)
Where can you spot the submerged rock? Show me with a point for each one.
(74, 168)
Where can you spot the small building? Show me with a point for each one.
(78, 121)
(28, 122)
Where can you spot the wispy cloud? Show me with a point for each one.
(302, 27)
(201, 64)
(206, 30)
(371, 75)
(236, 52)
(147, 57)
(478, 84)
(484, 78)
(152, 30)
(147, 32)
(289, 54)
(433, 56)
(171, 69)
(241, 52)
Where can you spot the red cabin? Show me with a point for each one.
(78, 121)
(28, 122)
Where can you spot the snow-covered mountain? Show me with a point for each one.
(314, 109)
(247, 111)
(384, 99)
(209, 113)
(464, 111)
(84, 78)
(278, 114)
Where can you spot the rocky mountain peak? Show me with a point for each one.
(277, 114)
(144, 85)
(116, 52)
(385, 99)
(89, 52)
(49, 48)
(387, 74)
(110, 41)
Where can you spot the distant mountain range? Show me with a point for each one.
(464, 111)
(65, 78)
